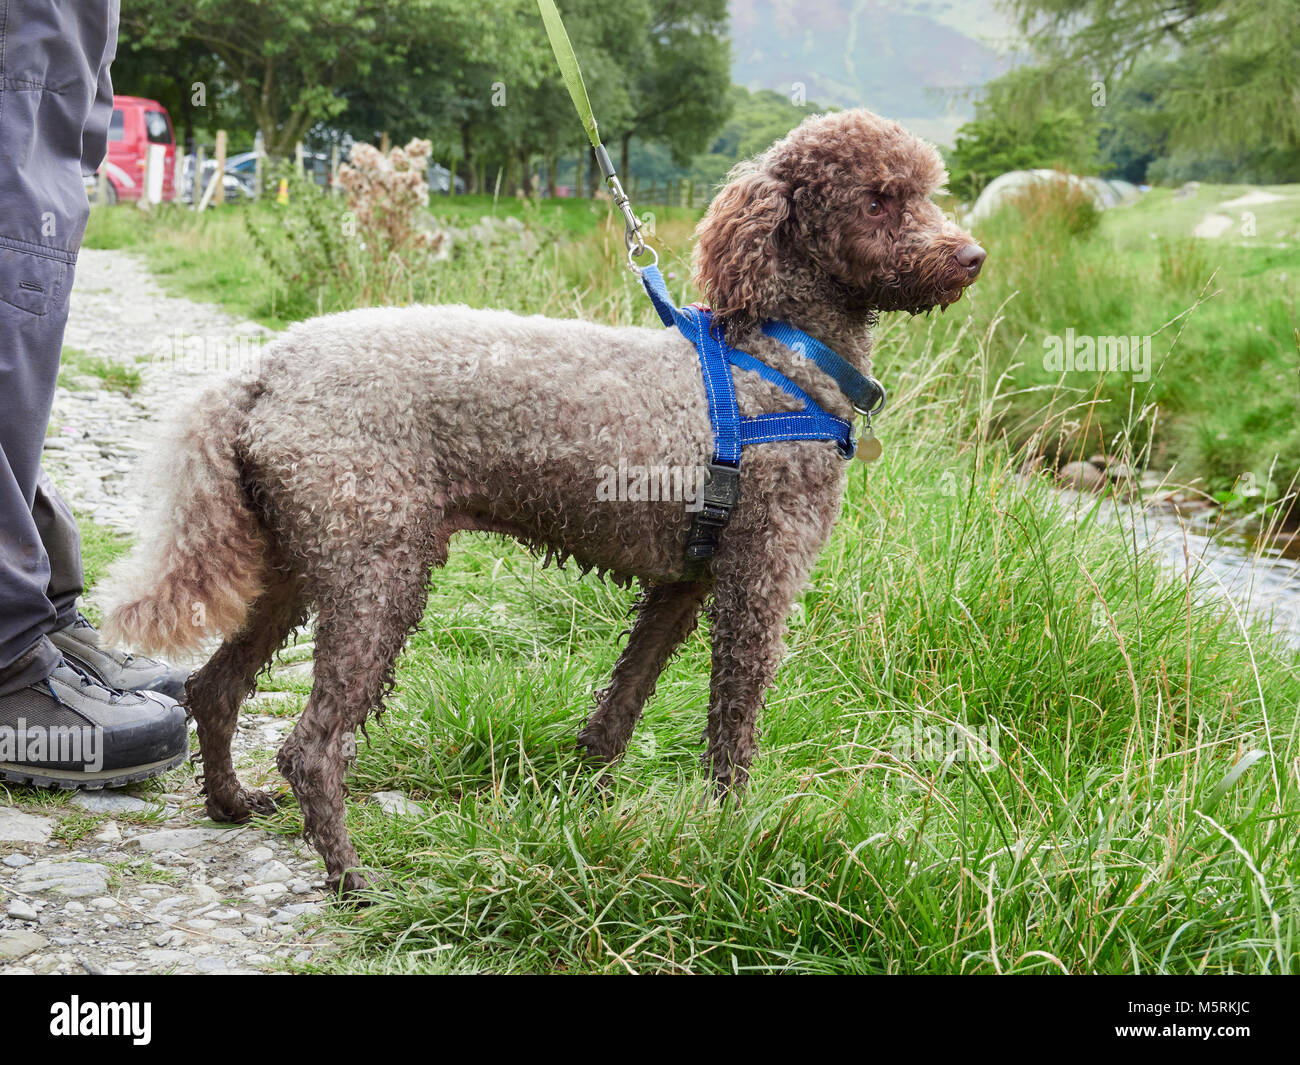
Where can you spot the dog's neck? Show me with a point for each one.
(824, 309)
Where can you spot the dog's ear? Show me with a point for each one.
(736, 255)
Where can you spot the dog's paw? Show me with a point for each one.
(348, 889)
(240, 806)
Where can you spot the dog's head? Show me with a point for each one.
(840, 208)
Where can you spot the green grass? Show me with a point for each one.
(77, 369)
(1223, 313)
(100, 546)
(1125, 824)
(1108, 837)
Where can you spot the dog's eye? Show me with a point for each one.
(875, 208)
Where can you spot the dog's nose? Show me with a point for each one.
(971, 258)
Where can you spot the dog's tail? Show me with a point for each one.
(202, 557)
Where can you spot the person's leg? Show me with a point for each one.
(62, 542)
(55, 103)
(52, 62)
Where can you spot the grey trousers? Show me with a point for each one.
(56, 100)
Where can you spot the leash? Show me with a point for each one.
(572, 74)
(732, 431)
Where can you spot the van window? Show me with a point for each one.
(115, 125)
(155, 124)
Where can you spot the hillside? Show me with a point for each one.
(914, 60)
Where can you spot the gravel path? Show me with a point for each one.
(138, 880)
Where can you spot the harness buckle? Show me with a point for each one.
(720, 496)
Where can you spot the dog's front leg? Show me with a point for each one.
(665, 616)
(753, 592)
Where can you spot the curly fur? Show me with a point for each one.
(334, 478)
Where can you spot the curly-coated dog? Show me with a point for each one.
(334, 476)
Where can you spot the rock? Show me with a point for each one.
(19, 827)
(182, 840)
(104, 903)
(20, 943)
(1081, 476)
(397, 804)
(17, 861)
(20, 911)
(1100, 461)
(110, 833)
(211, 965)
(260, 854)
(74, 880)
(299, 887)
(110, 802)
(266, 891)
(167, 959)
(272, 872)
(205, 893)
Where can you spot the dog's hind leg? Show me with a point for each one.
(359, 633)
(666, 615)
(216, 691)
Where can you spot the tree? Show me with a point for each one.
(1235, 81)
(1022, 122)
(289, 59)
(681, 87)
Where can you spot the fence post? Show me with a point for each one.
(259, 153)
(383, 142)
(297, 158)
(143, 203)
(199, 160)
(334, 169)
(220, 196)
(101, 184)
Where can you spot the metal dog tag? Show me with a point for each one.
(869, 447)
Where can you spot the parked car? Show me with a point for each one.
(139, 130)
(234, 188)
(440, 180)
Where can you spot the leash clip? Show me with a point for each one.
(875, 408)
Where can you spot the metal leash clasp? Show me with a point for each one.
(636, 246)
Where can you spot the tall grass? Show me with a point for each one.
(1138, 811)
(1224, 318)
(1125, 824)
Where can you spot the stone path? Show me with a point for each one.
(138, 880)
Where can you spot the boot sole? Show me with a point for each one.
(73, 780)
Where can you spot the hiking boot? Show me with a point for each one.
(80, 645)
(71, 731)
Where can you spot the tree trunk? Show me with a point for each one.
(467, 157)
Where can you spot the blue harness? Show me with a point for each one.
(731, 430)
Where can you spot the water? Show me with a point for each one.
(1261, 580)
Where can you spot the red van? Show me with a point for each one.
(140, 129)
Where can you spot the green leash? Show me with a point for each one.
(572, 74)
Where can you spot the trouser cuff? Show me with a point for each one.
(31, 667)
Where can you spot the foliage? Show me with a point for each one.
(1234, 82)
(1054, 132)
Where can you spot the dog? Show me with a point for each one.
(334, 476)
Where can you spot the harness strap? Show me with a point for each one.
(732, 432)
